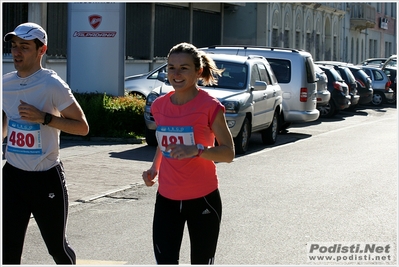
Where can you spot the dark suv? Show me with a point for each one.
(364, 84)
(340, 98)
(348, 77)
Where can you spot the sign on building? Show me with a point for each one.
(96, 47)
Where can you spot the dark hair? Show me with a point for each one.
(201, 60)
(38, 43)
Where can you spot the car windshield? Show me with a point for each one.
(373, 61)
(334, 75)
(350, 75)
(234, 75)
(391, 63)
(361, 74)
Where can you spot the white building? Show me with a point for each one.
(343, 31)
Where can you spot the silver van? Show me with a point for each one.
(295, 73)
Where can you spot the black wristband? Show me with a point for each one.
(47, 118)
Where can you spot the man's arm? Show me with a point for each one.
(72, 120)
(4, 132)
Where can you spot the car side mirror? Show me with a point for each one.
(259, 86)
(162, 76)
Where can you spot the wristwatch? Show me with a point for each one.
(200, 149)
(47, 118)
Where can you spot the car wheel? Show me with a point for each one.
(269, 135)
(150, 137)
(242, 139)
(137, 95)
(393, 100)
(328, 110)
(282, 124)
(378, 98)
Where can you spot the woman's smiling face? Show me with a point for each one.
(181, 71)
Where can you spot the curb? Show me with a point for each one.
(101, 195)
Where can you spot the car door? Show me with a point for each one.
(263, 100)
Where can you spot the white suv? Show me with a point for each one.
(250, 93)
(295, 73)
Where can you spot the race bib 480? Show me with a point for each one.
(167, 135)
(24, 138)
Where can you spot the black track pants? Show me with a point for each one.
(203, 216)
(44, 194)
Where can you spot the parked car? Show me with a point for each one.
(323, 95)
(340, 98)
(390, 68)
(364, 84)
(364, 88)
(248, 89)
(348, 77)
(373, 62)
(142, 84)
(295, 73)
(381, 85)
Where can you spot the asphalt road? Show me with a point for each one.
(328, 181)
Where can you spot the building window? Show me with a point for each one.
(362, 51)
(317, 47)
(13, 15)
(388, 49)
(373, 46)
(298, 40)
(275, 38)
(370, 48)
(308, 41)
(286, 38)
(335, 49)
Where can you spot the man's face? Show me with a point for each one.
(26, 56)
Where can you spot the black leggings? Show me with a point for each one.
(44, 194)
(203, 216)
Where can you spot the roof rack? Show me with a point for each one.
(256, 46)
(255, 56)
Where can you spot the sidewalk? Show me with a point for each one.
(97, 168)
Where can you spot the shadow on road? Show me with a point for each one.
(256, 144)
(143, 153)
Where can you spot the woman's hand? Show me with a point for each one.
(182, 151)
(149, 176)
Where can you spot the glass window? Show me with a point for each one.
(263, 73)
(234, 75)
(282, 69)
(377, 75)
(155, 74)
